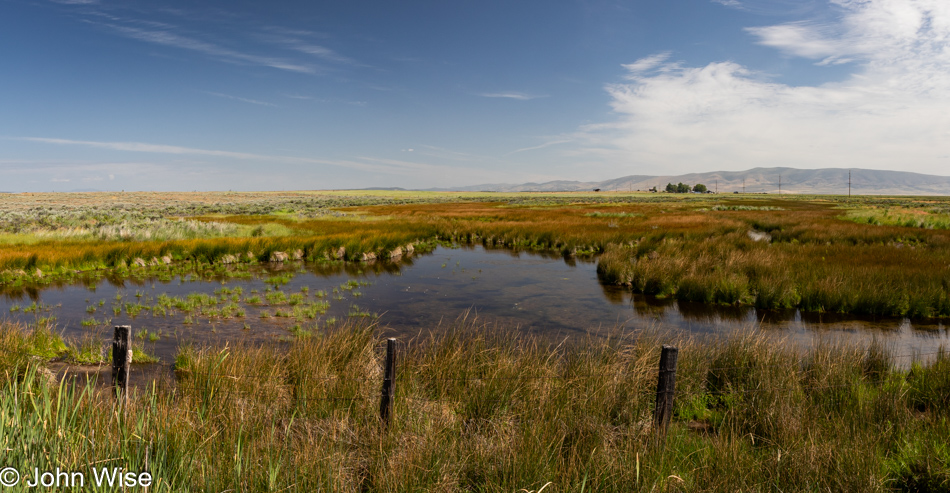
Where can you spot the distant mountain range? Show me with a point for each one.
(756, 180)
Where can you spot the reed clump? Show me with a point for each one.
(480, 408)
(731, 268)
(22, 346)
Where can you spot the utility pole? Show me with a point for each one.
(780, 184)
(743, 185)
(717, 185)
(849, 183)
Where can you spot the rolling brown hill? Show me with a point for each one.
(757, 180)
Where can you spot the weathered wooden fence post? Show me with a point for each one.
(121, 359)
(389, 383)
(665, 389)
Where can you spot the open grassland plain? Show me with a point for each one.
(865, 255)
(481, 408)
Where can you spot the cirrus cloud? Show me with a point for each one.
(512, 95)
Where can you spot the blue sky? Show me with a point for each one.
(283, 95)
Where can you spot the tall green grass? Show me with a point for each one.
(485, 409)
(916, 217)
(730, 268)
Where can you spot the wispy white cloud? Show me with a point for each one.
(369, 164)
(729, 3)
(142, 147)
(303, 41)
(512, 95)
(168, 37)
(299, 96)
(237, 98)
(647, 63)
(76, 2)
(303, 97)
(805, 40)
(892, 112)
(300, 33)
(542, 146)
(322, 52)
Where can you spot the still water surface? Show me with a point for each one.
(541, 294)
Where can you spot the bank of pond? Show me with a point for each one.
(545, 294)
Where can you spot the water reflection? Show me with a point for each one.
(538, 293)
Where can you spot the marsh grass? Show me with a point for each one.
(811, 255)
(813, 262)
(913, 216)
(141, 355)
(88, 350)
(51, 225)
(20, 345)
(480, 408)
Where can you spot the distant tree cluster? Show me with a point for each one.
(684, 188)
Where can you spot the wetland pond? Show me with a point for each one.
(536, 293)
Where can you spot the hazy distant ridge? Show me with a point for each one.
(757, 180)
